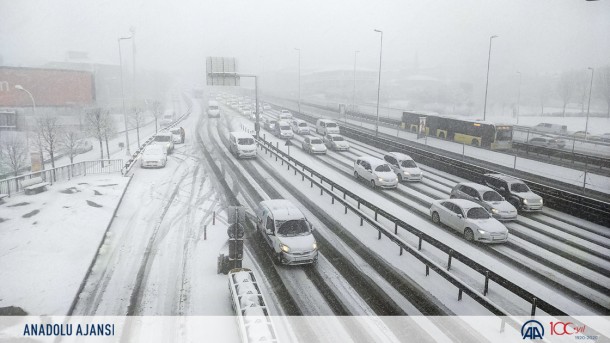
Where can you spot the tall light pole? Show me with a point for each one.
(128, 151)
(133, 53)
(25, 121)
(518, 96)
(354, 93)
(379, 84)
(299, 50)
(589, 104)
(487, 82)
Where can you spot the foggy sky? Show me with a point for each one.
(546, 36)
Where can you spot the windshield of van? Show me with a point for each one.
(478, 213)
(408, 164)
(213, 108)
(519, 188)
(383, 168)
(331, 125)
(338, 138)
(284, 127)
(245, 141)
(492, 196)
(302, 124)
(316, 141)
(163, 138)
(292, 228)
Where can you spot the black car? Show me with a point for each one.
(515, 191)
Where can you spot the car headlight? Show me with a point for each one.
(407, 173)
(284, 247)
(315, 246)
(541, 201)
(482, 232)
(494, 210)
(380, 179)
(525, 201)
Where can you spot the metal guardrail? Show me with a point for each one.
(531, 298)
(578, 205)
(12, 185)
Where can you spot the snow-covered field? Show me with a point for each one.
(47, 240)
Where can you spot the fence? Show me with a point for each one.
(12, 185)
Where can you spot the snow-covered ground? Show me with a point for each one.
(47, 240)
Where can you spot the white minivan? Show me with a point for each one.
(242, 144)
(285, 115)
(403, 165)
(213, 109)
(287, 232)
(375, 171)
(326, 126)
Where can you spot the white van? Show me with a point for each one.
(168, 118)
(552, 128)
(326, 126)
(285, 115)
(375, 171)
(213, 109)
(287, 232)
(403, 165)
(242, 144)
(283, 130)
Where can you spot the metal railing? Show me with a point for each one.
(12, 185)
(333, 189)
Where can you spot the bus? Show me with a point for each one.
(472, 132)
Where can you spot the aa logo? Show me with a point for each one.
(532, 329)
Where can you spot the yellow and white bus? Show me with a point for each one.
(471, 132)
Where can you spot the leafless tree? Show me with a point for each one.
(109, 129)
(13, 152)
(95, 121)
(544, 91)
(566, 87)
(156, 111)
(603, 85)
(49, 132)
(137, 119)
(72, 141)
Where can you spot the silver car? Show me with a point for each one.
(491, 200)
(314, 145)
(469, 219)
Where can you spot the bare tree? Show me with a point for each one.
(72, 141)
(95, 123)
(49, 132)
(13, 152)
(566, 87)
(603, 85)
(544, 91)
(137, 119)
(156, 111)
(109, 129)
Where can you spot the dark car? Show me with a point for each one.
(514, 191)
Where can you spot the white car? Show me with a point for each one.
(403, 165)
(470, 219)
(375, 171)
(300, 127)
(164, 139)
(285, 115)
(336, 142)
(176, 135)
(314, 145)
(153, 157)
(491, 200)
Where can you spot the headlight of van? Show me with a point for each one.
(284, 247)
(380, 179)
(407, 173)
(315, 246)
(494, 210)
(525, 201)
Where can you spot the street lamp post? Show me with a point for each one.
(25, 121)
(518, 96)
(487, 81)
(589, 104)
(354, 93)
(379, 83)
(128, 151)
(299, 50)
